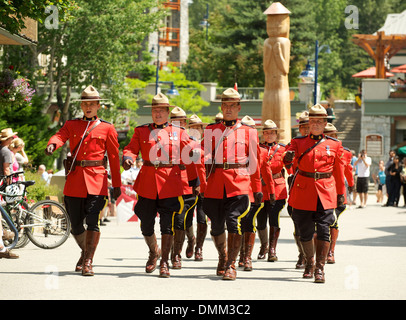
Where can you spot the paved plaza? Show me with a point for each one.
(370, 260)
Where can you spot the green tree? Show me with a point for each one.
(98, 46)
(12, 13)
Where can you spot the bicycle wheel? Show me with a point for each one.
(49, 225)
(22, 232)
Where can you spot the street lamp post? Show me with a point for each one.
(157, 69)
(316, 66)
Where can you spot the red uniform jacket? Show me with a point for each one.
(325, 157)
(347, 156)
(268, 184)
(90, 180)
(237, 144)
(277, 165)
(162, 182)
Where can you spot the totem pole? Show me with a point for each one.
(276, 101)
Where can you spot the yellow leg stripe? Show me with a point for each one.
(254, 224)
(187, 212)
(242, 216)
(182, 205)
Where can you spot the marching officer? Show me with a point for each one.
(231, 153)
(182, 221)
(86, 192)
(272, 211)
(196, 130)
(248, 223)
(330, 130)
(159, 183)
(303, 126)
(317, 189)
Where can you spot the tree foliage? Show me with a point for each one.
(233, 51)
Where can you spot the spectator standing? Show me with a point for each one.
(403, 180)
(394, 170)
(380, 180)
(6, 156)
(330, 113)
(42, 171)
(19, 156)
(363, 163)
(388, 176)
(353, 195)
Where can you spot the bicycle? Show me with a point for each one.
(46, 223)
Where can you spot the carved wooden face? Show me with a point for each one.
(278, 25)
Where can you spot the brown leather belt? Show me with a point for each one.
(158, 164)
(315, 175)
(226, 165)
(90, 163)
(277, 175)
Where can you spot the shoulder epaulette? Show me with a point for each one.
(211, 124)
(175, 125)
(105, 121)
(143, 125)
(345, 148)
(192, 138)
(282, 144)
(300, 137)
(328, 137)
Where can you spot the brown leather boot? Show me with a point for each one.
(333, 240)
(220, 243)
(81, 241)
(233, 247)
(200, 236)
(321, 256)
(309, 255)
(191, 241)
(92, 240)
(166, 243)
(249, 240)
(263, 238)
(154, 253)
(273, 240)
(300, 264)
(242, 253)
(178, 240)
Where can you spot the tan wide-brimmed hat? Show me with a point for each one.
(194, 120)
(248, 121)
(89, 94)
(317, 111)
(6, 134)
(303, 119)
(270, 125)
(178, 113)
(219, 117)
(160, 100)
(330, 128)
(230, 95)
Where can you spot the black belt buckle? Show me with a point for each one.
(82, 163)
(318, 175)
(226, 166)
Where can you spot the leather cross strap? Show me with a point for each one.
(315, 175)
